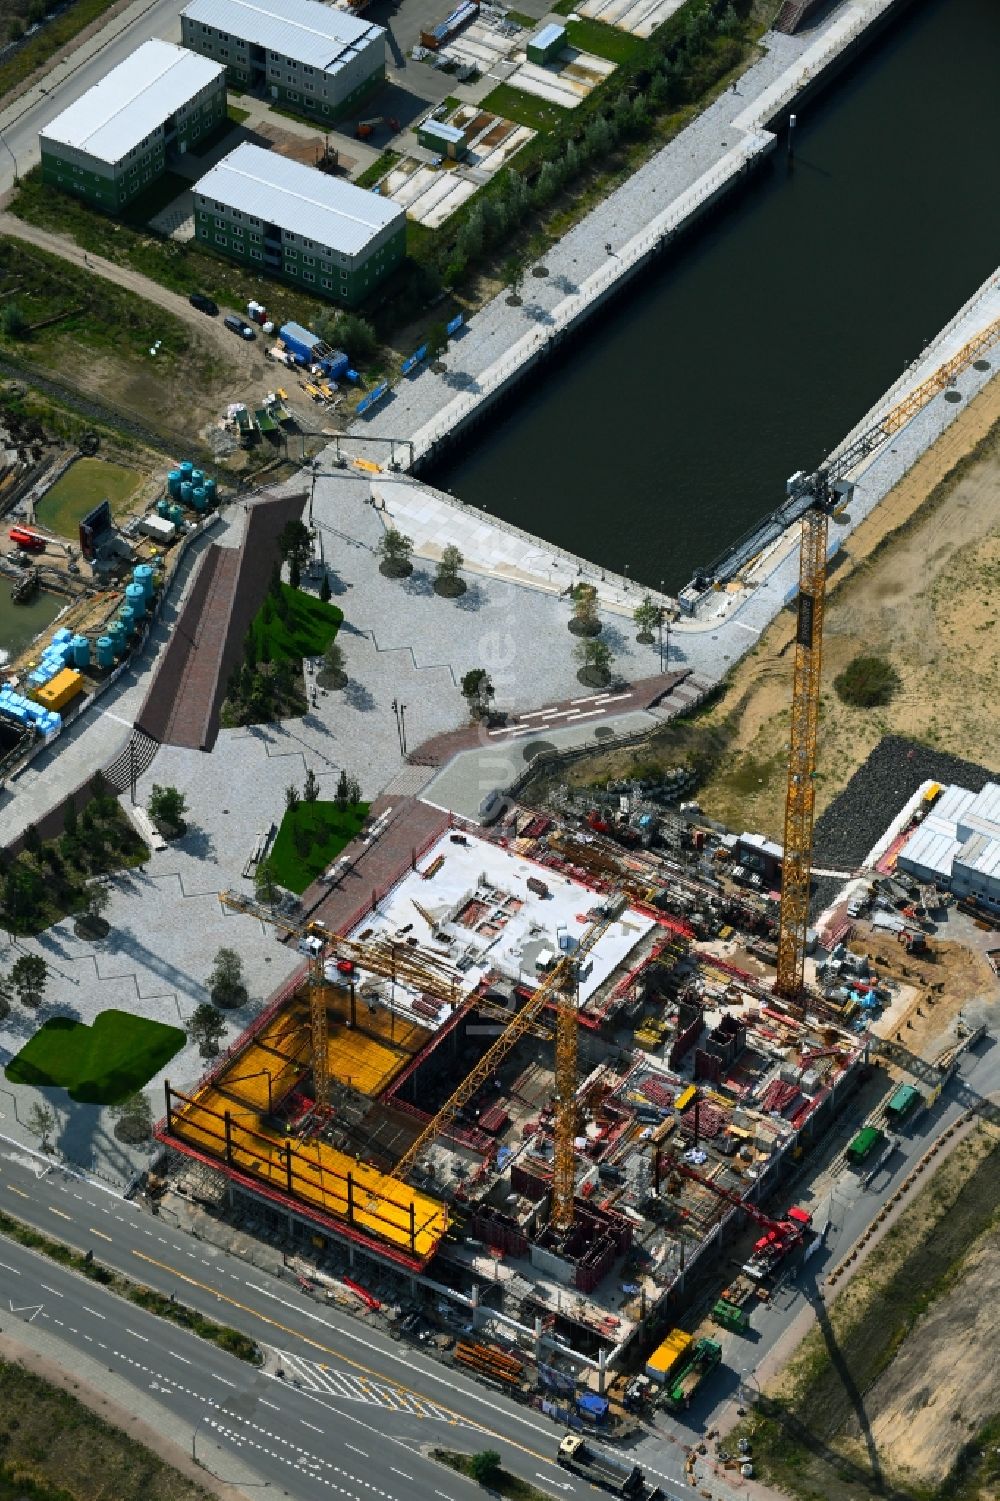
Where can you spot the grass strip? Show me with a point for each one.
(53, 35)
(503, 1483)
(164, 1307)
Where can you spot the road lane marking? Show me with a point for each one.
(54, 1291)
(355, 1450)
(19, 1191)
(307, 1339)
(59, 1212)
(92, 1311)
(10, 1268)
(182, 1358)
(402, 1473)
(92, 1231)
(135, 1335)
(313, 1426)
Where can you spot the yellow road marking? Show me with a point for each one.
(92, 1231)
(54, 1210)
(456, 1417)
(19, 1191)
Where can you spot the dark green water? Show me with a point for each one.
(672, 423)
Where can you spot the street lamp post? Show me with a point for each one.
(10, 153)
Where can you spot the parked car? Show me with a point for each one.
(204, 304)
(239, 326)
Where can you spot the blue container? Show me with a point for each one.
(185, 496)
(210, 489)
(197, 477)
(126, 619)
(81, 651)
(163, 507)
(186, 469)
(174, 483)
(143, 574)
(61, 635)
(198, 498)
(135, 600)
(105, 653)
(119, 638)
(176, 515)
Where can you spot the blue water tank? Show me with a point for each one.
(197, 477)
(119, 638)
(176, 515)
(81, 651)
(143, 574)
(163, 507)
(136, 600)
(105, 653)
(198, 498)
(127, 620)
(186, 489)
(186, 469)
(174, 483)
(210, 489)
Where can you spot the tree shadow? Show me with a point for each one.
(473, 599)
(359, 697)
(198, 843)
(419, 582)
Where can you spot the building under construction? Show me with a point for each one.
(417, 1121)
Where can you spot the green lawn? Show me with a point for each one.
(524, 109)
(237, 115)
(84, 485)
(100, 1064)
(377, 169)
(53, 35)
(311, 835)
(308, 631)
(604, 41)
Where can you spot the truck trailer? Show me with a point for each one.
(704, 1358)
(606, 1470)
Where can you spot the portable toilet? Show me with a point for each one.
(198, 498)
(105, 649)
(174, 483)
(210, 489)
(186, 470)
(81, 651)
(142, 574)
(135, 600)
(186, 488)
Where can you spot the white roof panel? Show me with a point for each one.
(928, 852)
(986, 806)
(132, 100)
(298, 198)
(312, 33)
(980, 854)
(953, 802)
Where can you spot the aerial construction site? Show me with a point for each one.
(547, 1071)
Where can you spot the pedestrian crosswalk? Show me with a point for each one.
(327, 1381)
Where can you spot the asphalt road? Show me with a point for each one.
(84, 66)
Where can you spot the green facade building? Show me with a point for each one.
(295, 222)
(124, 132)
(308, 57)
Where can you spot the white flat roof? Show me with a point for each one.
(132, 100)
(507, 937)
(311, 33)
(298, 198)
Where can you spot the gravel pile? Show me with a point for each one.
(876, 793)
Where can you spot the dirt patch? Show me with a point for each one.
(814, 1429)
(920, 580)
(924, 1409)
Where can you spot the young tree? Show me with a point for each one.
(41, 1122)
(96, 901)
(69, 816)
(334, 673)
(292, 798)
(513, 273)
(324, 589)
(295, 542)
(6, 996)
(647, 617)
(167, 807)
(310, 788)
(394, 549)
(133, 1117)
(227, 984)
(205, 1027)
(436, 341)
(342, 796)
(12, 318)
(478, 692)
(353, 791)
(32, 840)
(294, 573)
(595, 660)
(484, 1467)
(28, 976)
(449, 581)
(265, 884)
(23, 894)
(584, 620)
(274, 587)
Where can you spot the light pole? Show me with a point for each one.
(7, 148)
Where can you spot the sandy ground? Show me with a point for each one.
(928, 1405)
(929, 602)
(16, 1352)
(964, 974)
